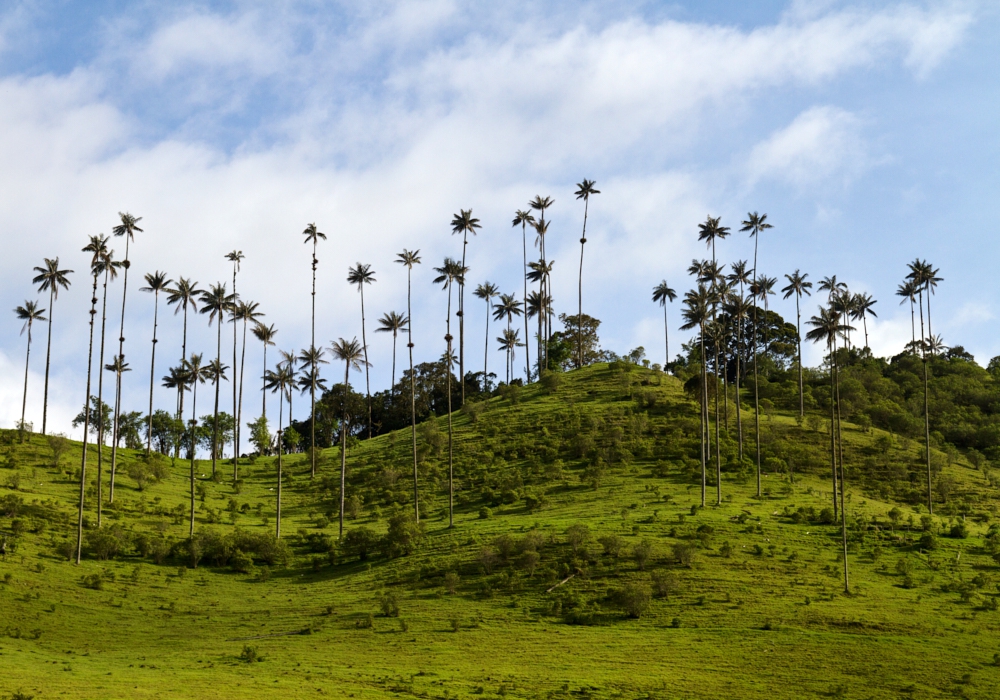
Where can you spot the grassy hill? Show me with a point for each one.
(580, 565)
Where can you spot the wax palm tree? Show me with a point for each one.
(289, 360)
(798, 286)
(715, 331)
(409, 258)
(697, 305)
(97, 246)
(216, 374)
(921, 274)
(50, 278)
(662, 293)
(265, 334)
(29, 313)
(312, 358)
(361, 275)
(118, 366)
(487, 291)
(509, 341)
(235, 257)
(541, 272)
(450, 272)
(392, 322)
(195, 373)
(755, 224)
(156, 282)
(314, 236)
(245, 312)
(352, 355)
(216, 302)
(541, 204)
(711, 231)
(862, 309)
(509, 307)
(128, 227)
(175, 379)
(739, 307)
(281, 382)
(183, 296)
(583, 191)
(105, 263)
(523, 218)
(464, 223)
(827, 327)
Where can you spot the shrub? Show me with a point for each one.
(241, 562)
(485, 513)
(360, 542)
(959, 530)
(451, 581)
(577, 536)
(528, 561)
(511, 392)
(642, 553)
(927, 541)
(664, 583)
(93, 581)
(613, 545)
(551, 381)
(473, 409)
(633, 599)
(389, 604)
(107, 543)
(249, 655)
(684, 554)
(404, 536)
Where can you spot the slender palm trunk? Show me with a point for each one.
(666, 335)
(239, 409)
(100, 402)
(277, 519)
(24, 400)
(413, 396)
(864, 322)
(579, 318)
(756, 395)
(218, 385)
(118, 376)
(927, 417)
(393, 385)
(527, 332)
(48, 358)
(798, 340)
(152, 372)
(739, 352)
(236, 423)
(833, 429)
(194, 424)
(364, 341)
(343, 446)
(180, 387)
(451, 463)
(718, 445)
(913, 324)
(461, 323)
(263, 390)
(86, 424)
(312, 389)
(704, 418)
(486, 346)
(843, 475)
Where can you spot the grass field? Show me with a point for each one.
(747, 599)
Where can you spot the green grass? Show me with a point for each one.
(771, 622)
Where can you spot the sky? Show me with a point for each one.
(866, 131)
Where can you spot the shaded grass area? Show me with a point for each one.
(745, 598)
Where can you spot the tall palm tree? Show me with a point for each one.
(281, 381)
(245, 311)
(175, 380)
(312, 358)
(463, 222)
(29, 313)
(697, 305)
(583, 191)
(541, 272)
(827, 327)
(128, 227)
(50, 278)
(798, 286)
(235, 257)
(289, 360)
(195, 373)
(157, 282)
(711, 231)
(523, 218)
(509, 307)
(662, 293)
(103, 262)
(216, 374)
(409, 258)
(216, 302)
(449, 273)
(541, 204)
(739, 307)
(352, 354)
(755, 224)
(361, 275)
(908, 290)
(314, 236)
(265, 334)
(509, 342)
(922, 274)
(118, 366)
(184, 295)
(486, 291)
(862, 309)
(97, 246)
(392, 322)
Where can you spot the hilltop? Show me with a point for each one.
(580, 564)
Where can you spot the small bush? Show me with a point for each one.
(613, 545)
(664, 583)
(642, 553)
(684, 554)
(389, 604)
(485, 513)
(451, 581)
(250, 655)
(633, 599)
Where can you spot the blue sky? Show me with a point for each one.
(865, 130)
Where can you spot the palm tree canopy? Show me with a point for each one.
(510, 339)
(755, 223)
(827, 326)
(280, 379)
(464, 222)
(350, 352)
(450, 271)
(177, 379)
(540, 203)
(235, 256)
(486, 291)
(541, 228)
(156, 281)
(265, 334)
(29, 313)
(98, 245)
(392, 322)
(711, 230)
(105, 262)
(508, 307)
(540, 270)
(408, 258)
(50, 277)
(192, 369)
(907, 290)
(697, 304)
(216, 371)
(797, 285)
(538, 303)
(861, 305)
(118, 365)
(184, 294)
(522, 217)
(128, 226)
(309, 381)
(831, 286)
(740, 273)
(312, 356)
(361, 274)
(246, 311)
(585, 189)
(663, 293)
(312, 234)
(216, 302)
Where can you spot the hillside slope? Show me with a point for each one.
(580, 565)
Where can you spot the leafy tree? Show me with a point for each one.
(260, 435)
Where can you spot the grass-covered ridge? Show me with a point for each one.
(591, 481)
